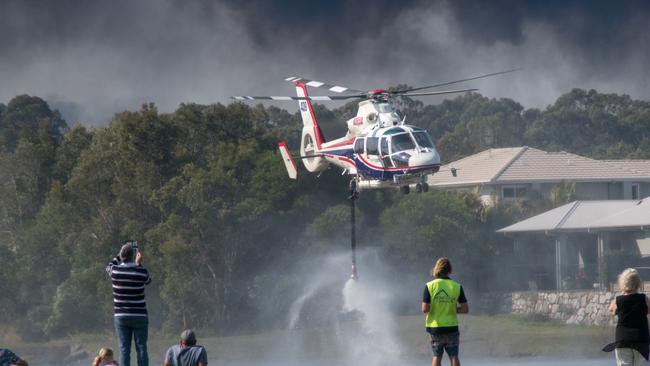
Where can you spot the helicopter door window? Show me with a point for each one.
(372, 146)
(385, 153)
(383, 144)
(372, 150)
(358, 146)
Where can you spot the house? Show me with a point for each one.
(591, 242)
(520, 173)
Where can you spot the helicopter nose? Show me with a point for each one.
(424, 158)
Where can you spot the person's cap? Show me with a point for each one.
(126, 251)
(188, 336)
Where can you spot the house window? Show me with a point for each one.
(514, 192)
(635, 191)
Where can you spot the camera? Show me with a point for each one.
(134, 246)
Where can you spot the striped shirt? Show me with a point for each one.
(128, 280)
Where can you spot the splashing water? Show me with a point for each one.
(375, 341)
(326, 277)
(359, 320)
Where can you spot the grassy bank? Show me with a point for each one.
(484, 336)
(515, 336)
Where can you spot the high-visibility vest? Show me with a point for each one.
(444, 296)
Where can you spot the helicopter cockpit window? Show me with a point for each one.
(423, 139)
(372, 146)
(385, 108)
(394, 131)
(402, 142)
(358, 146)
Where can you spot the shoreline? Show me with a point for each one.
(500, 337)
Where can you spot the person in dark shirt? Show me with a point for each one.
(8, 358)
(442, 299)
(632, 335)
(129, 279)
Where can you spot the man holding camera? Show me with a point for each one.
(8, 358)
(129, 278)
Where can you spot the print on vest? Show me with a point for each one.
(442, 297)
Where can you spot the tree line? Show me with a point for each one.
(221, 225)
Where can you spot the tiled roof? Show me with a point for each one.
(642, 166)
(587, 216)
(527, 164)
(476, 169)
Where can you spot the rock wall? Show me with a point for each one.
(571, 307)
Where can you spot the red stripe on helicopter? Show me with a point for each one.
(318, 134)
(342, 158)
(347, 160)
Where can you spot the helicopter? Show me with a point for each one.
(379, 149)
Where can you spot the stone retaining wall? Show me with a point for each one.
(571, 307)
(574, 307)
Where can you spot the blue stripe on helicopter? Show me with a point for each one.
(376, 173)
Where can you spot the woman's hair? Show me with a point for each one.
(103, 353)
(442, 268)
(629, 280)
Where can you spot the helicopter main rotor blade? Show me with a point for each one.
(456, 81)
(436, 92)
(282, 97)
(264, 97)
(320, 84)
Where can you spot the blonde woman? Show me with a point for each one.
(631, 308)
(443, 298)
(105, 358)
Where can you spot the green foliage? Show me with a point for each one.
(436, 224)
(562, 193)
(205, 192)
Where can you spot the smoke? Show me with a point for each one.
(93, 59)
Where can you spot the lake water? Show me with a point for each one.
(524, 361)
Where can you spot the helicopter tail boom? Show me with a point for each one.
(307, 114)
(312, 136)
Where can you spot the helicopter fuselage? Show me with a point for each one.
(386, 156)
(379, 149)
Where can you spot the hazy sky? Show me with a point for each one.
(91, 59)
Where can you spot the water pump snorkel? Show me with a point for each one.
(354, 195)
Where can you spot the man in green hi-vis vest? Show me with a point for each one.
(443, 298)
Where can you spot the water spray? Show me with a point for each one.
(354, 195)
